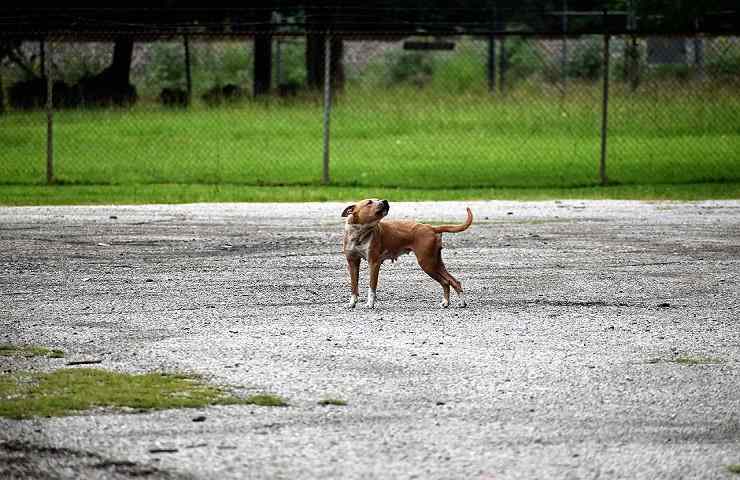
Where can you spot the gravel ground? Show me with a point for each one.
(560, 367)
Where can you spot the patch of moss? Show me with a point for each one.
(734, 468)
(265, 400)
(686, 360)
(332, 401)
(29, 351)
(67, 391)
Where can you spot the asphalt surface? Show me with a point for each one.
(562, 366)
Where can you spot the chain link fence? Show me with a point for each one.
(449, 112)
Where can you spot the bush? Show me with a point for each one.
(414, 68)
(634, 56)
(585, 61)
(218, 64)
(461, 69)
(522, 60)
(167, 66)
(725, 64)
(292, 64)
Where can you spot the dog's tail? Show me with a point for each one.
(455, 228)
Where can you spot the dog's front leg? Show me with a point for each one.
(353, 264)
(374, 268)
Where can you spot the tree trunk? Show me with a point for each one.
(262, 64)
(119, 71)
(315, 61)
(699, 57)
(111, 86)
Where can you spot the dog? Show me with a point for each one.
(368, 236)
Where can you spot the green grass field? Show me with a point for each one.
(408, 139)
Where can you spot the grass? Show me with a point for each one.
(188, 193)
(265, 400)
(332, 401)
(29, 351)
(422, 143)
(697, 360)
(734, 468)
(67, 391)
(687, 360)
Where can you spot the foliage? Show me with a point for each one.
(292, 65)
(586, 60)
(409, 67)
(166, 67)
(727, 62)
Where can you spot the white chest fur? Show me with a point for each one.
(357, 239)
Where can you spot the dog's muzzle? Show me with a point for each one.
(384, 207)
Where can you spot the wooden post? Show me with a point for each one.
(262, 78)
(188, 73)
(502, 64)
(604, 111)
(564, 50)
(49, 119)
(327, 106)
(491, 65)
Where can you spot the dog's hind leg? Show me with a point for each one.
(431, 265)
(454, 282)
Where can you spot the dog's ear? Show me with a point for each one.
(348, 210)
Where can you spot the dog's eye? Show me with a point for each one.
(369, 202)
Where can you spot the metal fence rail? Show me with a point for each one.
(451, 112)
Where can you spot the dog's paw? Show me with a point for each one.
(370, 298)
(352, 302)
(445, 304)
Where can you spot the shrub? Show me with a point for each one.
(727, 63)
(586, 59)
(167, 66)
(414, 68)
(522, 59)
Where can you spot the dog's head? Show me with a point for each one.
(366, 211)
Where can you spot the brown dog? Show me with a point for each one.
(366, 236)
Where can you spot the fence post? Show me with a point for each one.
(604, 110)
(327, 105)
(49, 118)
(188, 73)
(491, 64)
(502, 64)
(564, 49)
